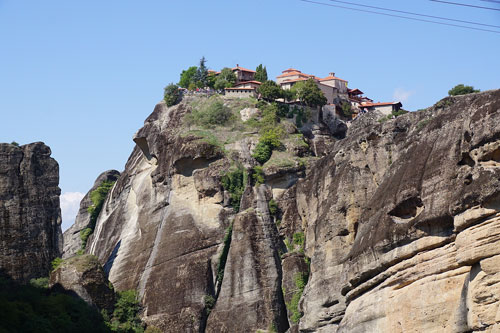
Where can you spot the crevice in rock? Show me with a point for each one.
(209, 299)
(466, 160)
(407, 209)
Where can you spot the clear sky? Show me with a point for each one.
(82, 76)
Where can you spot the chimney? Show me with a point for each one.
(332, 74)
(237, 65)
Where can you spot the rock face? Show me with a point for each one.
(72, 240)
(399, 221)
(84, 275)
(30, 216)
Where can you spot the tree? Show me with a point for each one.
(270, 90)
(172, 95)
(261, 74)
(202, 74)
(188, 76)
(460, 89)
(225, 79)
(309, 93)
(211, 78)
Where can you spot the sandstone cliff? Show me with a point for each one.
(30, 217)
(72, 238)
(394, 229)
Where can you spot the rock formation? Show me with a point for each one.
(395, 229)
(30, 217)
(84, 275)
(72, 240)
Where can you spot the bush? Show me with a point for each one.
(461, 89)
(262, 152)
(42, 283)
(14, 143)
(212, 113)
(298, 239)
(258, 175)
(300, 280)
(273, 207)
(125, 317)
(235, 182)
(171, 94)
(209, 303)
(56, 263)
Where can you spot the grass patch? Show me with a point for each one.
(213, 112)
(300, 280)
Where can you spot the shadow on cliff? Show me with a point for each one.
(36, 308)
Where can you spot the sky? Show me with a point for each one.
(82, 76)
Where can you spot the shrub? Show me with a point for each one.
(346, 109)
(211, 113)
(125, 317)
(262, 152)
(300, 280)
(209, 303)
(14, 143)
(273, 207)
(42, 283)
(56, 263)
(171, 94)
(461, 89)
(298, 239)
(84, 235)
(258, 175)
(235, 182)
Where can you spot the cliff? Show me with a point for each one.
(72, 236)
(30, 217)
(393, 229)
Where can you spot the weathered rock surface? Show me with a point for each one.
(30, 216)
(84, 275)
(400, 221)
(72, 240)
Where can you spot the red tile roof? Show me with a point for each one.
(294, 74)
(296, 80)
(242, 69)
(245, 82)
(355, 91)
(291, 70)
(329, 78)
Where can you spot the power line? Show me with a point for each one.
(491, 1)
(416, 14)
(463, 4)
(400, 16)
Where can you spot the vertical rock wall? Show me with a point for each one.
(30, 217)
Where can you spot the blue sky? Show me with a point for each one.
(82, 76)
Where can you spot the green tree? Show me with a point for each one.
(460, 89)
(270, 90)
(211, 78)
(309, 93)
(188, 76)
(202, 74)
(226, 79)
(172, 95)
(261, 73)
(346, 109)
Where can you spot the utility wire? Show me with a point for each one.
(491, 1)
(400, 16)
(463, 4)
(416, 14)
